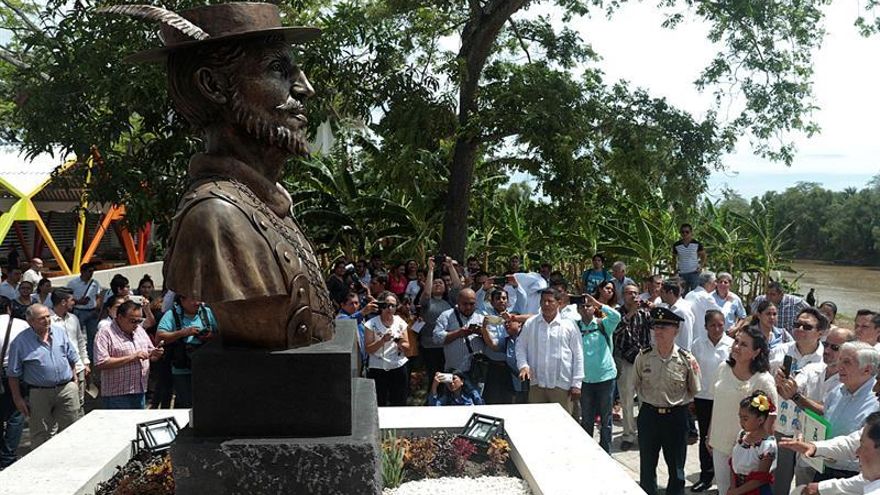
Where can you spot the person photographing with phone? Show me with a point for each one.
(123, 352)
(182, 330)
(597, 325)
(452, 388)
(386, 342)
(459, 330)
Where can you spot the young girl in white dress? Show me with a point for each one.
(753, 459)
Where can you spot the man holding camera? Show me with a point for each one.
(549, 354)
(459, 331)
(183, 329)
(631, 336)
(350, 310)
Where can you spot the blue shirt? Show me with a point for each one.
(362, 346)
(592, 278)
(733, 310)
(42, 364)
(469, 397)
(598, 347)
(499, 335)
(167, 325)
(847, 412)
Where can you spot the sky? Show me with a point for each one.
(846, 82)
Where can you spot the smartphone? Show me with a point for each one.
(786, 365)
(579, 300)
(499, 280)
(439, 260)
(446, 377)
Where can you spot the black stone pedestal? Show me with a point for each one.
(347, 464)
(272, 423)
(303, 392)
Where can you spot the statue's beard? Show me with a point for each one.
(271, 127)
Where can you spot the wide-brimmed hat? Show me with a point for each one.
(210, 24)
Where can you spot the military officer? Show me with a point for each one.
(666, 379)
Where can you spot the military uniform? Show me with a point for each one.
(235, 245)
(665, 387)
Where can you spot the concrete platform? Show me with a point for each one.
(87, 453)
(552, 452)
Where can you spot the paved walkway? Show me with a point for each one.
(630, 462)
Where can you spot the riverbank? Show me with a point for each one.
(850, 287)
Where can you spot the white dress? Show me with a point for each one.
(746, 458)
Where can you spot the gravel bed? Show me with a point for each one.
(485, 485)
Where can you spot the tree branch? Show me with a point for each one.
(11, 59)
(18, 12)
(522, 42)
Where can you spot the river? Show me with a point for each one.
(850, 287)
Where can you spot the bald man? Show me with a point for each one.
(35, 273)
(459, 331)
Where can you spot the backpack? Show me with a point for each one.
(178, 352)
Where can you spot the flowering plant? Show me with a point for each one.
(762, 403)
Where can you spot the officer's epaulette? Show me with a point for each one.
(646, 350)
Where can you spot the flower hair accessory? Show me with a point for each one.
(762, 403)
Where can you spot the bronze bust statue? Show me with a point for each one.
(234, 243)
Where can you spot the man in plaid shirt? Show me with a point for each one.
(123, 352)
(788, 306)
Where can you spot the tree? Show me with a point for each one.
(519, 94)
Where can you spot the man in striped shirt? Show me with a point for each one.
(123, 352)
(689, 256)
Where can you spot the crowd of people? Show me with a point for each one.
(62, 346)
(677, 360)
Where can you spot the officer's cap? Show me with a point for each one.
(664, 316)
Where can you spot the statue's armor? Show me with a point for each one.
(300, 316)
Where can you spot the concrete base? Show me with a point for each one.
(256, 466)
(85, 454)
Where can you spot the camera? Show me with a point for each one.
(137, 299)
(351, 273)
(474, 328)
(579, 300)
(446, 377)
(439, 259)
(499, 280)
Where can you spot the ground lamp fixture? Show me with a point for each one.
(481, 428)
(155, 436)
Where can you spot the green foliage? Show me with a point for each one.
(439, 128)
(392, 460)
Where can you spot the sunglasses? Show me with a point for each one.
(805, 326)
(685, 231)
(833, 347)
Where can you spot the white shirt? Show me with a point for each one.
(32, 276)
(18, 326)
(873, 488)
(412, 289)
(701, 301)
(840, 448)
(82, 289)
(813, 383)
(778, 353)
(570, 312)
(710, 356)
(8, 291)
(553, 352)
(75, 333)
(686, 337)
(388, 356)
(532, 283)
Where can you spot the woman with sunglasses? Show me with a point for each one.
(385, 338)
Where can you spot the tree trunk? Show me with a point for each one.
(477, 38)
(461, 177)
